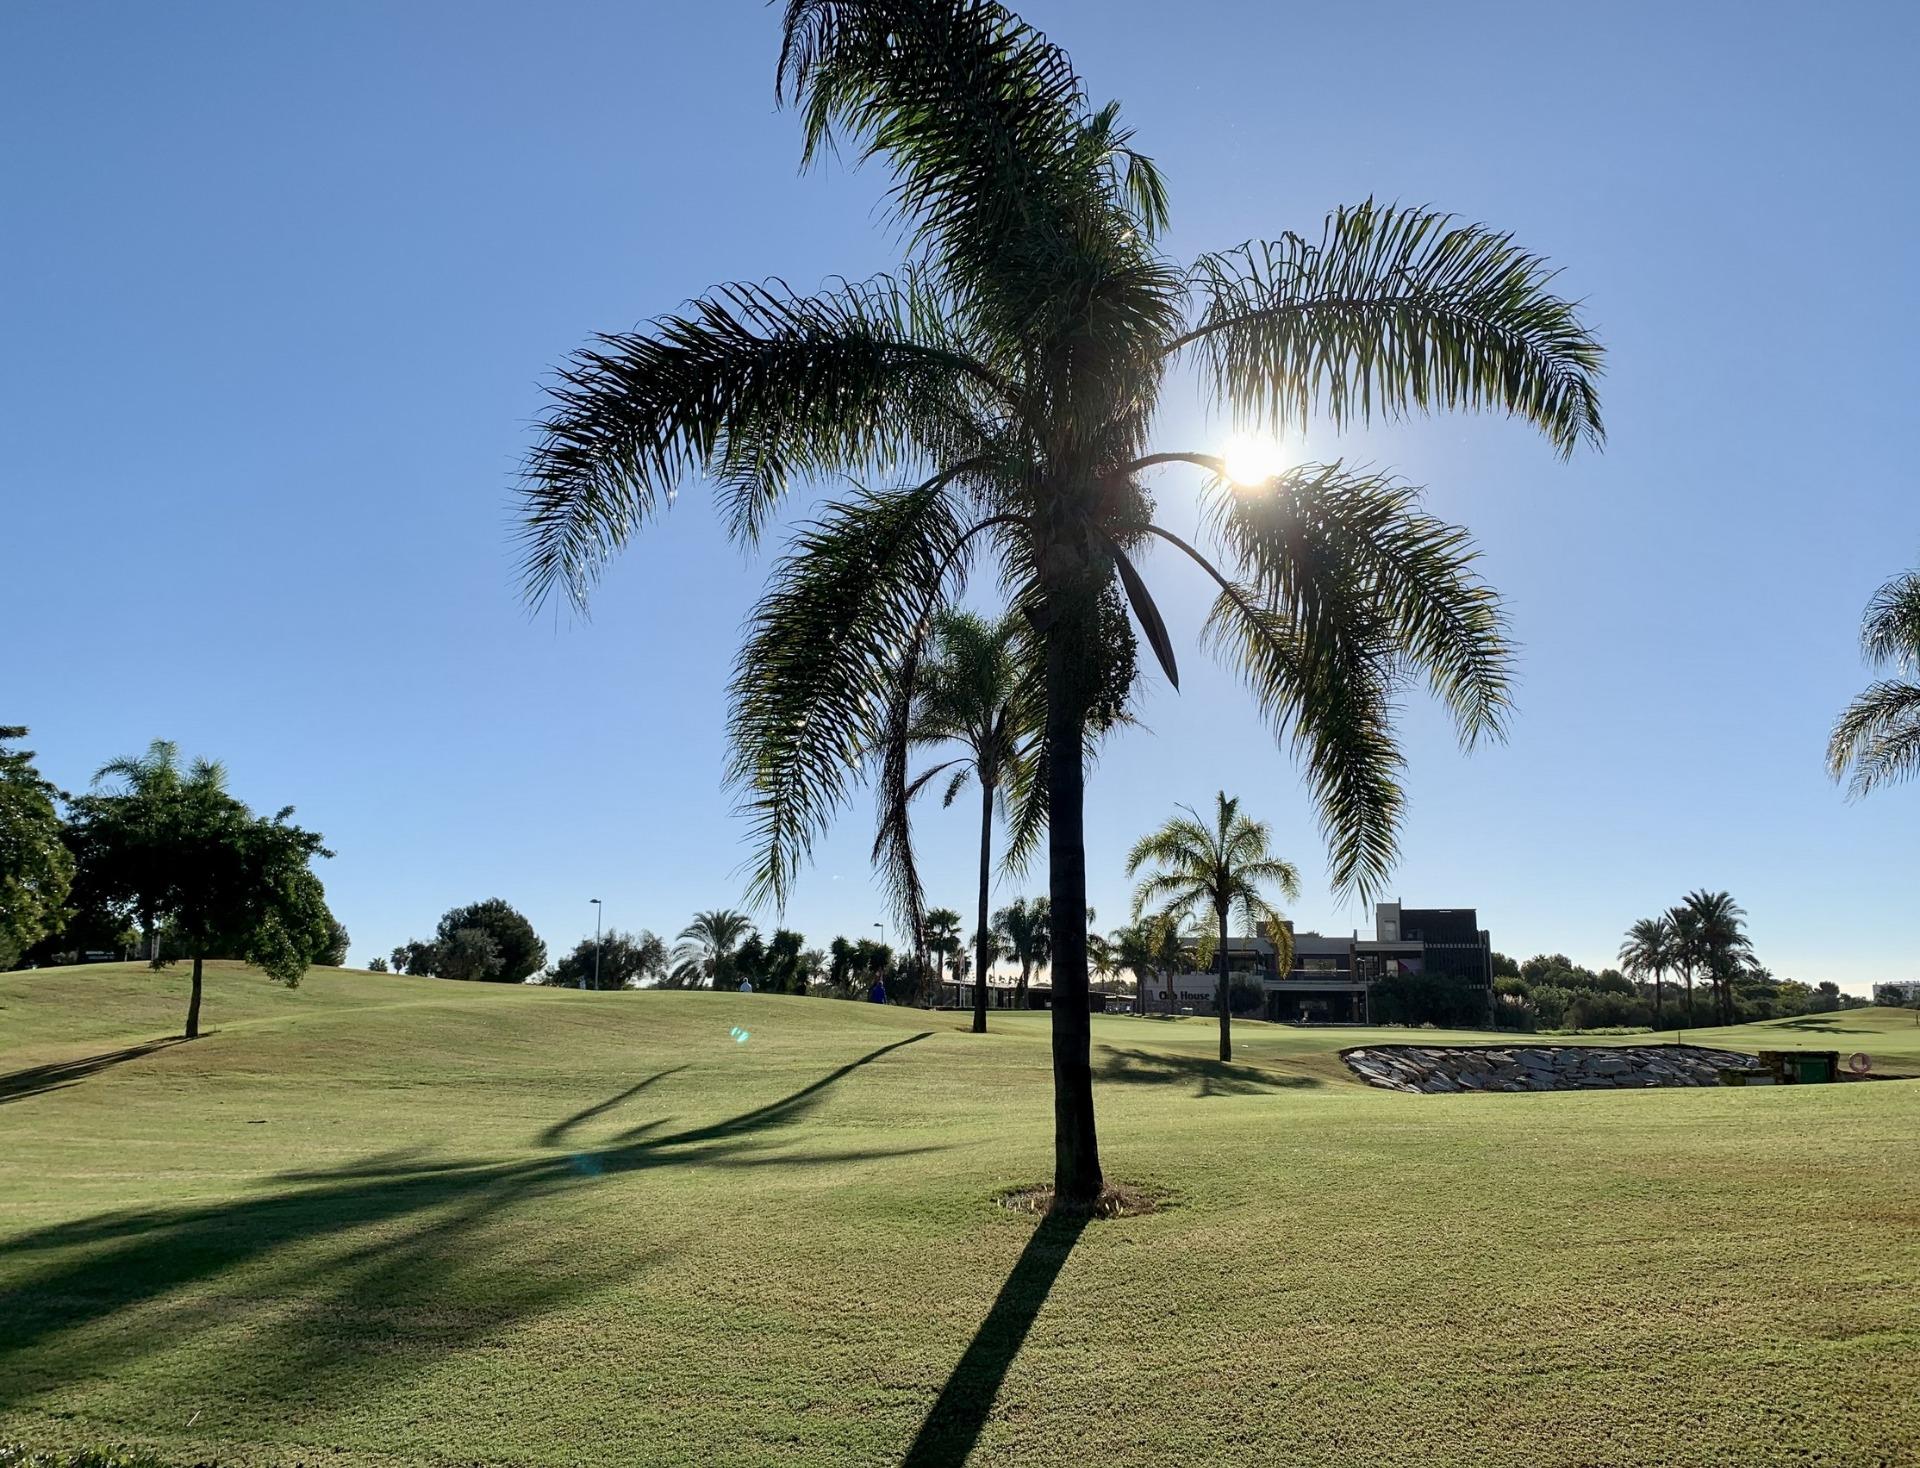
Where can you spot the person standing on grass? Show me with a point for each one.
(878, 993)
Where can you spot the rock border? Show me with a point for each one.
(1441, 1069)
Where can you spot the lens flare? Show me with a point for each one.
(1254, 459)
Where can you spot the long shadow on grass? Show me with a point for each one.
(21, 1084)
(385, 1261)
(952, 1425)
(1209, 1077)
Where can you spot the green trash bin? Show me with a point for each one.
(1813, 1070)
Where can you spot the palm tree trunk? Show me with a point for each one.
(1659, 1012)
(1687, 974)
(980, 938)
(1076, 1146)
(193, 1004)
(1226, 1010)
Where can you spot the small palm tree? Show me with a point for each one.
(1649, 950)
(978, 690)
(1220, 867)
(1722, 944)
(1025, 934)
(1878, 736)
(1005, 385)
(1148, 949)
(706, 946)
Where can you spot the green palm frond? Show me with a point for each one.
(1877, 737)
(1330, 547)
(810, 690)
(1890, 632)
(756, 386)
(1394, 309)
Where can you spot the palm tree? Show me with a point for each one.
(977, 689)
(1222, 867)
(706, 945)
(1023, 932)
(1878, 736)
(1686, 948)
(1149, 949)
(943, 935)
(1722, 944)
(1649, 950)
(1002, 388)
(149, 780)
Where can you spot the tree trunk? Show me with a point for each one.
(193, 1004)
(1076, 1147)
(1687, 974)
(1226, 988)
(1659, 1011)
(980, 933)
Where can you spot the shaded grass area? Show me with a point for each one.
(408, 1220)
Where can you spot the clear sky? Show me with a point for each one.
(281, 284)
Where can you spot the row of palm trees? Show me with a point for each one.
(1703, 934)
(999, 393)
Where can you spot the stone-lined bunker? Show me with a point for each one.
(1432, 1069)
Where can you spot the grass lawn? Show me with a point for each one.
(389, 1220)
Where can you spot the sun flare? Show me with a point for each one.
(1254, 458)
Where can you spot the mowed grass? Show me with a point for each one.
(388, 1220)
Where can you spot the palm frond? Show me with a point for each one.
(1877, 737)
(811, 688)
(756, 386)
(1394, 309)
(1890, 632)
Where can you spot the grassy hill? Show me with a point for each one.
(383, 1220)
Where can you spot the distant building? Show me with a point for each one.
(1331, 976)
(1897, 995)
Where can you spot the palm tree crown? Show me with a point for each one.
(1649, 951)
(1023, 931)
(706, 945)
(1877, 737)
(1219, 868)
(1002, 386)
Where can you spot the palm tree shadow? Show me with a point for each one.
(1210, 1077)
(342, 1271)
(953, 1424)
(557, 1133)
(21, 1084)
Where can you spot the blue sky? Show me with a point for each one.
(281, 284)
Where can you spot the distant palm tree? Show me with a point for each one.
(1005, 385)
(1721, 941)
(706, 945)
(1878, 736)
(979, 689)
(943, 935)
(1220, 867)
(149, 780)
(1025, 933)
(1649, 950)
(1149, 949)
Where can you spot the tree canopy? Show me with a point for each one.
(36, 868)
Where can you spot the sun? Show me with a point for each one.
(1255, 458)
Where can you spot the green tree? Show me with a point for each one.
(943, 936)
(625, 961)
(376, 965)
(1649, 950)
(518, 952)
(175, 850)
(1220, 867)
(1150, 949)
(1004, 385)
(416, 957)
(1023, 931)
(1877, 737)
(338, 942)
(36, 868)
(1720, 944)
(470, 954)
(705, 949)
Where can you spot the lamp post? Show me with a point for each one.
(596, 944)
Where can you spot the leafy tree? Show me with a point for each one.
(626, 961)
(469, 953)
(519, 953)
(376, 965)
(706, 948)
(175, 849)
(1023, 932)
(1877, 737)
(1219, 867)
(1721, 945)
(338, 941)
(1010, 376)
(1504, 967)
(416, 957)
(1649, 950)
(36, 868)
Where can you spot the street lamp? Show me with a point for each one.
(596, 944)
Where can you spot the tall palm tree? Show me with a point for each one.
(706, 946)
(1686, 950)
(943, 935)
(1002, 387)
(1649, 950)
(1219, 866)
(1721, 941)
(1023, 931)
(1878, 735)
(977, 689)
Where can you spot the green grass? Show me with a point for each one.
(386, 1220)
